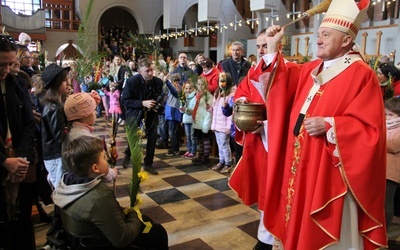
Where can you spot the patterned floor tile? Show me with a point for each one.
(191, 168)
(250, 228)
(219, 184)
(181, 180)
(196, 244)
(167, 196)
(158, 214)
(216, 201)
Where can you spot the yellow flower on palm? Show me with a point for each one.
(143, 176)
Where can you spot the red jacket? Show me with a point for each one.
(212, 79)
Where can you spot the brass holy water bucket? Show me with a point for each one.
(246, 115)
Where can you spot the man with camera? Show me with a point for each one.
(139, 98)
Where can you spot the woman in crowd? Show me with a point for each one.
(53, 121)
(389, 79)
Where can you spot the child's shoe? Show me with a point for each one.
(197, 158)
(226, 169)
(217, 167)
(186, 154)
(189, 156)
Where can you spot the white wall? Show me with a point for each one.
(148, 12)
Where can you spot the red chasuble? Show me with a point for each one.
(248, 179)
(304, 199)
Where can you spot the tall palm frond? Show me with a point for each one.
(144, 47)
(135, 145)
(86, 39)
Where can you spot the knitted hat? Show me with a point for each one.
(80, 105)
(345, 16)
(50, 72)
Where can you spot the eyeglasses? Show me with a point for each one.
(27, 57)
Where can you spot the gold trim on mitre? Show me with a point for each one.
(345, 16)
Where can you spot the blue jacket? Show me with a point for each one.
(172, 112)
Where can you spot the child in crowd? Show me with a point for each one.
(80, 111)
(188, 103)
(392, 111)
(227, 110)
(85, 84)
(104, 83)
(54, 122)
(221, 125)
(89, 208)
(172, 114)
(115, 107)
(202, 117)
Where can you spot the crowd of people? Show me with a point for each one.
(57, 109)
(323, 167)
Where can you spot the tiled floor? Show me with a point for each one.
(193, 203)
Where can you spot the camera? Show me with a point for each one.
(160, 104)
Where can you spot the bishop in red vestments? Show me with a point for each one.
(330, 192)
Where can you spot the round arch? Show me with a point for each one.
(122, 6)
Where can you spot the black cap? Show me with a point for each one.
(50, 72)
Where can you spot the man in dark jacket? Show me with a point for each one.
(235, 65)
(139, 98)
(183, 69)
(17, 129)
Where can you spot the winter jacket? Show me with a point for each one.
(20, 118)
(203, 118)
(189, 105)
(90, 211)
(184, 72)
(79, 129)
(228, 111)
(114, 98)
(212, 79)
(120, 77)
(136, 91)
(172, 112)
(53, 125)
(237, 70)
(220, 122)
(28, 70)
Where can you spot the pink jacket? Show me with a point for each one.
(114, 98)
(220, 122)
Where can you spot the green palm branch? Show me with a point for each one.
(135, 145)
(86, 38)
(143, 45)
